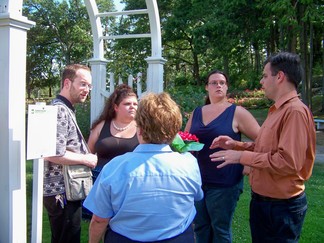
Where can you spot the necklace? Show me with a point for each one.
(120, 128)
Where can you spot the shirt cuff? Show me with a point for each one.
(241, 146)
(246, 158)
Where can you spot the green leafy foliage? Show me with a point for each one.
(83, 118)
(188, 98)
(62, 35)
(197, 36)
(182, 146)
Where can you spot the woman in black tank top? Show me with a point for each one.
(114, 132)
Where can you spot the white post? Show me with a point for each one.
(13, 36)
(139, 85)
(111, 82)
(130, 81)
(37, 208)
(155, 74)
(156, 61)
(120, 80)
(98, 72)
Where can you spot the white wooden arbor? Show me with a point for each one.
(98, 62)
(13, 36)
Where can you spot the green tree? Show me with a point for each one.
(198, 36)
(128, 55)
(295, 26)
(184, 37)
(62, 35)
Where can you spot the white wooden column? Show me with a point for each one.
(156, 61)
(155, 74)
(13, 35)
(98, 72)
(98, 62)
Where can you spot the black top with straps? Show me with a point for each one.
(108, 146)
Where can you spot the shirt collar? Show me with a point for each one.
(283, 99)
(148, 148)
(66, 102)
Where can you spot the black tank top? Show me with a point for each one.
(108, 146)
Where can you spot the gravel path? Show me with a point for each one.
(319, 154)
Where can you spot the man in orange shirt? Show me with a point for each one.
(281, 158)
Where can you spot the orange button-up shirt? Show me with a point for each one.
(284, 151)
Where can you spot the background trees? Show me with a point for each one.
(62, 35)
(237, 36)
(198, 36)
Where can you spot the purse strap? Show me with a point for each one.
(84, 143)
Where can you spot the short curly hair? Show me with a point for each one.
(159, 117)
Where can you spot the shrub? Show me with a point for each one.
(250, 99)
(188, 97)
(83, 118)
(182, 80)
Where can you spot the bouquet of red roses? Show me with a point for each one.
(184, 142)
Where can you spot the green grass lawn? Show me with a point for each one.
(260, 115)
(46, 234)
(313, 230)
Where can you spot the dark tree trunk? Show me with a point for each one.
(303, 50)
(196, 74)
(311, 61)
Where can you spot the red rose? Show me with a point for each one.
(186, 136)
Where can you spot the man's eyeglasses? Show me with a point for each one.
(84, 85)
(220, 83)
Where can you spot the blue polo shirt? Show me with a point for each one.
(149, 193)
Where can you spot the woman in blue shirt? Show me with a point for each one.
(147, 195)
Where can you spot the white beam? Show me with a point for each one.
(126, 12)
(155, 74)
(128, 36)
(12, 7)
(98, 49)
(98, 72)
(13, 35)
(155, 27)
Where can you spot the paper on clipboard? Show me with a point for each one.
(41, 131)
